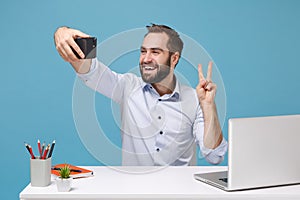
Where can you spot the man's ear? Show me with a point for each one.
(175, 58)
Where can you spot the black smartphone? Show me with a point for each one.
(88, 46)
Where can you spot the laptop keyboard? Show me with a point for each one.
(223, 179)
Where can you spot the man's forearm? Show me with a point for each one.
(82, 66)
(212, 129)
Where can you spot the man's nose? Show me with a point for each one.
(147, 58)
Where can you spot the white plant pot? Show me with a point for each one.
(63, 185)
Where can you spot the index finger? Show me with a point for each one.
(78, 33)
(209, 71)
(200, 73)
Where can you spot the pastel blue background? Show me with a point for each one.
(255, 44)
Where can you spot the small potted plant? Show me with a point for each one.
(64, 181)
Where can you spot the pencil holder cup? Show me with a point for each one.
(40, 172)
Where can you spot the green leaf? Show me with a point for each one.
(65, 172)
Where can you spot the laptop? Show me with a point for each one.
(263, 152)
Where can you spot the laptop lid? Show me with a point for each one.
(263, 151)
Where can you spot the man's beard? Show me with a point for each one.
(162, 71)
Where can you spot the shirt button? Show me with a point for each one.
(159, 117)
(159, 99)
(157, 149)
(161, 132)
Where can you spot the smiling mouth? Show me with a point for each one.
(149, 68)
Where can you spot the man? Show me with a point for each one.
(161, 118)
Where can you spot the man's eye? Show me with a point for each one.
(143, 51)
(155, 52)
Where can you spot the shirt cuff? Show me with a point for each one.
(216, 155)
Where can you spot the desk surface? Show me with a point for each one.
(152, 183)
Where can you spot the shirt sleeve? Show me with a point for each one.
(213, 156)
(103, 80)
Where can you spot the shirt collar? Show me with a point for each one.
(175, 94)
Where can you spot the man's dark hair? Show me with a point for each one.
(174, 44)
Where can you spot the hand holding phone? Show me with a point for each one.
(88, 46)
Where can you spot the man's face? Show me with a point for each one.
(154, 58)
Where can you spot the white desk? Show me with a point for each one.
(163, 183)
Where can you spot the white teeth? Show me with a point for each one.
(149, 68)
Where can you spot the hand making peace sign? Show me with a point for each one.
(206, 89)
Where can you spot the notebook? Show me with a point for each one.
(76, 172)
(263, 152)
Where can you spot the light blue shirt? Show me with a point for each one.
(156, 130)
